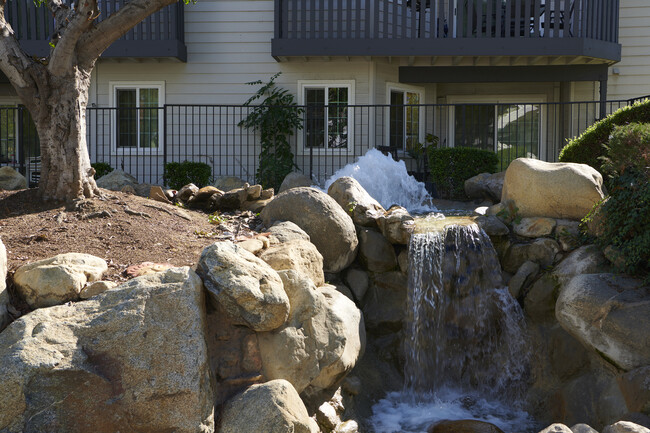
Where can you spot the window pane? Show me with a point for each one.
(517, 132)
(474, 126)
(412, 119)
(148, 118)
(396, 119)
(337, 118)
(127, 133)
(7, 134)
(315, 118)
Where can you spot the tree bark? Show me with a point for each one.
(66, 173)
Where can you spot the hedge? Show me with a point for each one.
(451, 167)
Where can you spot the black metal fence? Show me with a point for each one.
(141, 141)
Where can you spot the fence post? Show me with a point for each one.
(21, 148)
(164, 141)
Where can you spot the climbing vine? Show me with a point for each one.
(276, 118)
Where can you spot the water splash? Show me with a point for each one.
(387, 181)
(465, 345)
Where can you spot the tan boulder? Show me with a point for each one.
(294, 180)
(485, 185)
(10, 179)
(397, 225)
(96, 288)
(253, 192)
(320, 342)
(57, 280)
(130, 359)
(356, 201)
(300, 255)
(228, 183)
(271, 407)
(286, 231)
(117, 180)
(328, 226)
(536, 227)
(554, 190)
(249, 291)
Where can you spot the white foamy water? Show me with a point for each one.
(387, 181)
(405, 412)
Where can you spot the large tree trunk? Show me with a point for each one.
(66, 173)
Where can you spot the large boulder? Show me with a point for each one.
(286, 231)
(228, 183)
(295, 180)
(271, 407)
(299, 255)
(249, 291)
(554, 190)
(321, 341)
(384, 304)
(587, 259)
(610, 314)
(57, 280)
(131, 359)
(116, 180)
(10, 179)
(4, 294)
(356, 201)
(397, 225)
(375, 252)
(328, 226)
(542, 251)
(485, 185)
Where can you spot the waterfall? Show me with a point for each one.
(463, 329)
(465, 351)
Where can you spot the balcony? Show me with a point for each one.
(161, 35)
(578, 28)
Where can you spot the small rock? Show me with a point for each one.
(203, 196)
(556, 428)
(156, 193)
(525, 274)
(266, 194)
(357, 281)
(567, 234)
(146, 268)
(128, 189)
(229, 201)
(228, 183)
(492, 225)
(256, 206)
(495, 209)
(327, 417)
(187, 192)
(534, 227)
(583, 428)
(540, 300)
(481, 210)
(254, 246)
(10, 179)
(96, 288)
(118, 180)
(350, 426)
(403, 261)
(625, 427)
(397, 225)
(286, 231)
(254, 192)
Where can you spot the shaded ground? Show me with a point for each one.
(121, 228)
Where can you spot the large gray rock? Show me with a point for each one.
(522, 278)
(587, 259)
(321, 341)
(295, 180)
(328, 226)
(556, 428)
(131, 359)
(542, 251)
(554, 190)
(397, 225)
(57, 280)
(272, 407)
(385, 301)
(356, 201)
(116, 180)
(375, 252)
(4, 294)
(485, 185)
(357, 280)
(299, 255)
(610, 314)
(286, 231)
(249, 291)
(635, 387)
(492, 225)
(625, 427)
(228, 183)
(10, 179)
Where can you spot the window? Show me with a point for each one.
(508, 126)
(138, 120)
(328, 122)
(405, 117)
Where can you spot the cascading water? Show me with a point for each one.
(464, 341)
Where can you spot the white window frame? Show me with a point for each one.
(326, 84)
(498, 99)
(112, 100)
(410, 89)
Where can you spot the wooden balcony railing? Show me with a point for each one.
(160, 35)
(446, 27)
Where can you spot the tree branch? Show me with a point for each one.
(95, 41)
(70, 26)
(13, 60)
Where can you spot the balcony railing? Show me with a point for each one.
(160, 35)
(447, 27)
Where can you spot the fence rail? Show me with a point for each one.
(142, 140)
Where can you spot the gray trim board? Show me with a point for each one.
(609, 51)
(501, 74)
(123, 49)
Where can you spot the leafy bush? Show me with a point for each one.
(101, 169)
(588, 147)
(276, 118)
(451, 167)
(628, 148)
(179, 174)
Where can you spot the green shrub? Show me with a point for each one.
(628, 148)
(101, 169)
(451, 167)
(589, 146)
(179, 174)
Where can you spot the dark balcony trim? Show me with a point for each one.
(501, 74)
(447, 47)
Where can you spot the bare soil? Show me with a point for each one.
(123, 229)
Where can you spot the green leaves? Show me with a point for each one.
(451, 167)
